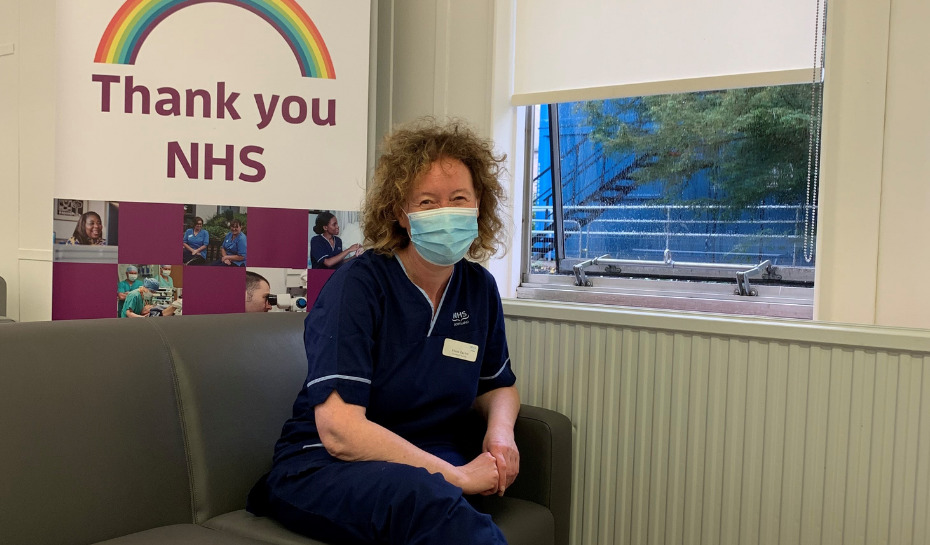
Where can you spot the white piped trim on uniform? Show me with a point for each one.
(330, 377)
(435, 311)
(497, 374)
(311, 446)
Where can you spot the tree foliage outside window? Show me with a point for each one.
(751, 143)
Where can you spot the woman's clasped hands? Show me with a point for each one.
(480, 476)
(495, 469)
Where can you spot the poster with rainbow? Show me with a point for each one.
(136, 19)
(258, 105)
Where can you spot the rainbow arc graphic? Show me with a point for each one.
(135, 20)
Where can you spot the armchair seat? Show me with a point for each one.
(138, 432)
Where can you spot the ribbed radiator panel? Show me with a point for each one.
(700, 438)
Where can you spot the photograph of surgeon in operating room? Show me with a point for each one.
(138, 302)
(130, 282)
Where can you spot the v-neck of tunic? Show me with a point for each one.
(434, 310)
(332, 244)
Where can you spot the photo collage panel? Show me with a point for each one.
(141, 260)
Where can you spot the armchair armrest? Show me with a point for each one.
(544, 438)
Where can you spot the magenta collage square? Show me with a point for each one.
(130, 259)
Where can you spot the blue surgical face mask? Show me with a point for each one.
(132, 277)
(443, 236)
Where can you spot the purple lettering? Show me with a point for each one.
(170, 105)
(265, 113)
(176, 154)
(204, 100)
(301, 110)
(130, 92)
(252, 163)
(211, 161)
(105, 82)
(224, 104)
(331, 112)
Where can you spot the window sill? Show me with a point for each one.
(772, 301)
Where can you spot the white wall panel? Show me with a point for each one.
(761, 431)
(9, 150)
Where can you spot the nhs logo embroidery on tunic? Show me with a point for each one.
(459, 318)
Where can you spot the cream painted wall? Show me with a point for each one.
(9, 150)
(903, 295)
(28, 181)
(851, 161)
(876, 159)
(38, 69)
(508, 128)
(440, 62)
(453, 58)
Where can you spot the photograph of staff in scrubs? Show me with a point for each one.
(234, 248)
(215, 235)
(138, 302)
(129, 282)
(405, 347)
(326, 249)
(165, 281)
(195, 243)
(162, 293)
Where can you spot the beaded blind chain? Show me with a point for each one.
(814, 130)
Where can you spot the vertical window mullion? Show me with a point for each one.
(558, 239)
(529, 196)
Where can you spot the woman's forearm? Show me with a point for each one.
(348, 435)
(499, 407)
(336, 259)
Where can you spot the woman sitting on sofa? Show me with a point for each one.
(402, 344)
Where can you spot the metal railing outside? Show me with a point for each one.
(765, 231)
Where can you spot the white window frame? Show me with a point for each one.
(703, 296)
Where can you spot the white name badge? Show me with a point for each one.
(459, 350)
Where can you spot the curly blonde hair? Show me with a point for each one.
(407, 154)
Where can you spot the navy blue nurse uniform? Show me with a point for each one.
(321, 249)
(372, 337)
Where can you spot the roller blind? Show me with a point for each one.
(592, 49)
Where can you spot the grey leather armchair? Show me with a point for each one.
(153, 431)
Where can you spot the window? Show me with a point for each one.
(696, 201)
